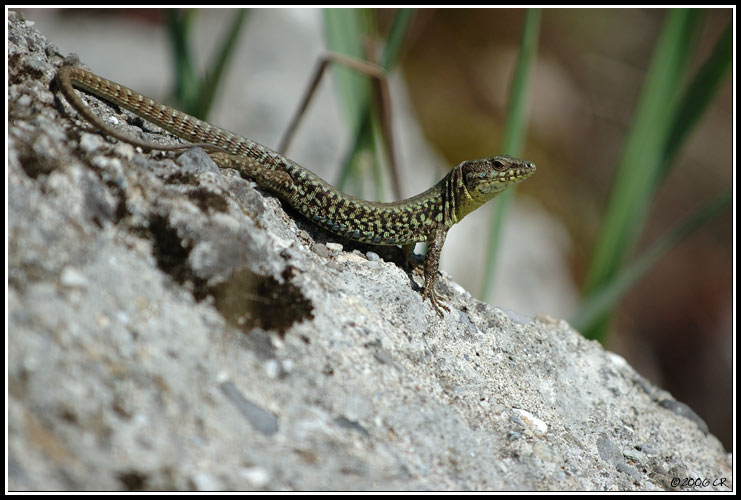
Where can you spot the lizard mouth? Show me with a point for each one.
(503, 180)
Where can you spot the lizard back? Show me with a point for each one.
(393, 223)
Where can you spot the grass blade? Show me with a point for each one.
(213, 76)
(367, 127)
(191, 93)
(345, 29)
(185, 86)
(603, 300)
(696, 99)
(635, 181)
(514, 136)
(597, 305)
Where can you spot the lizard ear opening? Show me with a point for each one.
(471, 167)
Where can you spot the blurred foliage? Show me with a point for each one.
(665, 114)
(348, 32)
(514, 136)
(195, 94)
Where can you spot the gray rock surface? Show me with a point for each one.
(171, 326)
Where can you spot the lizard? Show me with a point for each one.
(426, 217)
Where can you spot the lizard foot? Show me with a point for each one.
(436, 300)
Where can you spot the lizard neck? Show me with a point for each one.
(456, 200)
(463, 201)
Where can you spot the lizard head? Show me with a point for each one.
(483, 179)
(488, 177)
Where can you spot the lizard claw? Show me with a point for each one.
(435, 300)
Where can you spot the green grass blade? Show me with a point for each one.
(345, 29)
(696, 99)
(603, 300)
(643, 147)
(209, 84)
(397, 36)
(185, 86)
(514, 136)
(366, 128)
(191, 93)
(635, 181)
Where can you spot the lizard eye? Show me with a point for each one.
(497, 164)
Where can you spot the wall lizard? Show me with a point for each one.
(425, 217)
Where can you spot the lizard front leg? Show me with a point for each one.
(432, 261)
